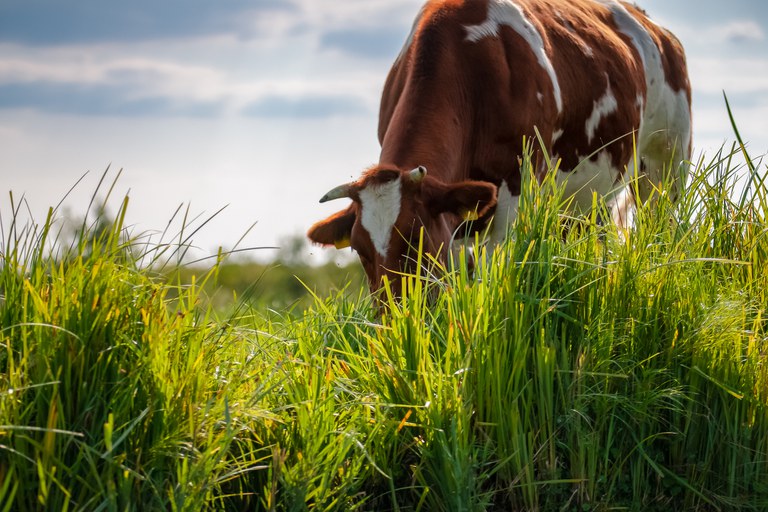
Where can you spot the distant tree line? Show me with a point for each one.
(282, 283)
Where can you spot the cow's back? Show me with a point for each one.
(664, 135)
(456, 94)
(594, 77)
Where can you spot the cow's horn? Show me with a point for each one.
(339, 192)
(418, 174)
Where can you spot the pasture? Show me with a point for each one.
(574, 369)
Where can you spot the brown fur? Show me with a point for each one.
(462, 109)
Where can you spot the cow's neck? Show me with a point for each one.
(437, 144)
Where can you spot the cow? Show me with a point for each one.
(603, 87)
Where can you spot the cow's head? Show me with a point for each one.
(390, 207)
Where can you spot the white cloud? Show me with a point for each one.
(336, 15)
(720, 37)
(739, 31)
(221, 69)
(712, 128)
(91, 66)
(273, 170)
(734, 75)
(282, 54)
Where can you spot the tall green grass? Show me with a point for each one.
(575, 368)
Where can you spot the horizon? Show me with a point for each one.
(265, 105)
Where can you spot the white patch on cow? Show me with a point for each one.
(664, 134)
(506, 213)
(602, 181)
(540, 97)
(603, 107)
(589, 178)
(633, 29)
(622, 203)
(380, 207)
(660, 97)
(556, 136)
(645, 47)
(506, 12)
(667, 124)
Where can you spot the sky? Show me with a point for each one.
(260, 106)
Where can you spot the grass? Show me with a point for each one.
(275, 285)
(576, 369)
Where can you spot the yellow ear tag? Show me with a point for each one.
(342, 244)
(469, 215)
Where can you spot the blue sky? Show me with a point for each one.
(262, 105)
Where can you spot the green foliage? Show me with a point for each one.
(575, 368)
(285, 284)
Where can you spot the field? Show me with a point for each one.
(577, 368)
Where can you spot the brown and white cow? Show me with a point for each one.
(595, 77)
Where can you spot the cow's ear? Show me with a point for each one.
(467, 199)
(335, 230)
